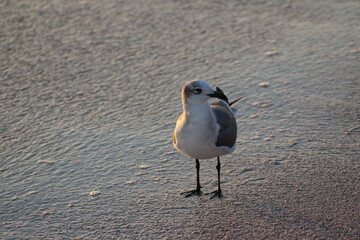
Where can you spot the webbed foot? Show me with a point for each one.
(217, 193)
(196, 192)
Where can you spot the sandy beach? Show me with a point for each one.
(90, 93)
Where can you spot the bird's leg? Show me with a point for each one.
(197, 191)
(218, 192)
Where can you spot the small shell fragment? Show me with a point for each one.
(272, 53)
(94, 193)
(264, 84)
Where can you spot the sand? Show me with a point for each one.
(90, 92)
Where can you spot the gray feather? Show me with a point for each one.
(227, 122)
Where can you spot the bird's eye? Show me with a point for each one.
(197, 90)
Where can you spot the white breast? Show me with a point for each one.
(196, 137)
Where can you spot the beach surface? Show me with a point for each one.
(90, 93)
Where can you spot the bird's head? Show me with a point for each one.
(199, 91)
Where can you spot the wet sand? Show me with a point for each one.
(90, 92)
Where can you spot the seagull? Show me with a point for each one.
(205, 130)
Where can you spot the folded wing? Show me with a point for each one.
(227, 122)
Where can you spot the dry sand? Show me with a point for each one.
(90, 92)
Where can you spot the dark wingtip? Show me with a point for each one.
(223, 94)
(219, 90)
(230, 103)
(218, 93)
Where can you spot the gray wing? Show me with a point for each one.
(225, 118)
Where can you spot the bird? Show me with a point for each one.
(205, 130)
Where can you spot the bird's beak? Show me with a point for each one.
(219, 94)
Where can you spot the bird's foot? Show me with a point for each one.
(217, 193)
(196, 192)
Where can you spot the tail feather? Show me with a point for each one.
(231, 103)
(226, 100)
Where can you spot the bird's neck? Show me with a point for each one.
(197, 109)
